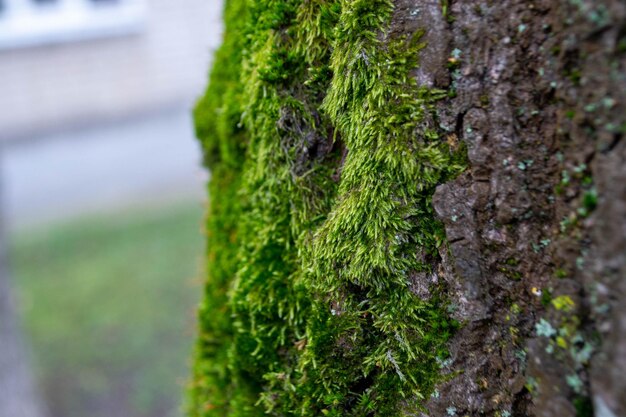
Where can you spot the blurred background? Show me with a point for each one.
(101, 201)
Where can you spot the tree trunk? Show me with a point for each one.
(417, 208)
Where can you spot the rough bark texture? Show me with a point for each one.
(541, 103)
(534, 261)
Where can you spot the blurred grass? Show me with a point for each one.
(108, 306)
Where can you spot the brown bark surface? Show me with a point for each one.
(541, 106)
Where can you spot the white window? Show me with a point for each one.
(36, 22)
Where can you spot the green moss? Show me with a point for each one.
(584, 406)
(323, 169)
(563, 303)
(546, 297)
(560, 273)
(217, 117)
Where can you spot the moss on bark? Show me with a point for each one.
(324, 160)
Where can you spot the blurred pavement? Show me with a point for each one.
(152, 160)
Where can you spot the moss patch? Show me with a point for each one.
(324, 162)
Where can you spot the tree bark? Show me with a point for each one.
(539, 218)
(533, 262)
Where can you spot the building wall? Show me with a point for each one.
(83, 83)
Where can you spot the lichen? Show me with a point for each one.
(324, 157)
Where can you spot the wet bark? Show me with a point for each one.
(536, 261)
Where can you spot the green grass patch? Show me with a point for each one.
(108, 308)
